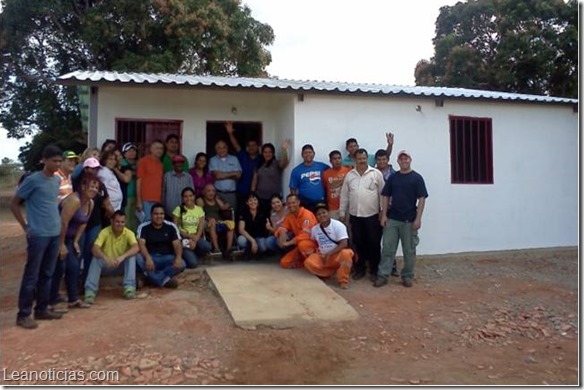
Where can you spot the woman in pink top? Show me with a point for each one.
(200, 173)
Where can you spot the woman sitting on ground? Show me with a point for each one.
(190, 220)
(252, 227)
(277, 216)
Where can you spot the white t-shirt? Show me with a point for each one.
(109, 179)
(336, 230)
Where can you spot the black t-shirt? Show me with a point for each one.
(404, 189)
(159, 240)
(256, 227)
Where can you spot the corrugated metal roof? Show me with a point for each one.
(100, 77)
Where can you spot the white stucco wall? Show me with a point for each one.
(534, 199)
(194, 109)
(532, 203)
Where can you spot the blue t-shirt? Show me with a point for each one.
(404, 189)
(228, 163)
(248, 167)
(39, 193)
(307, 180)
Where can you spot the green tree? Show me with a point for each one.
(525, 46)
(42, 39)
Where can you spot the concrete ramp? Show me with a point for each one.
(265, 294)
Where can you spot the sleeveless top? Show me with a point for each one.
(269, 180)
(212, 210)
(77, 219)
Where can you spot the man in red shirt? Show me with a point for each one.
(150, 172)
(333, 179)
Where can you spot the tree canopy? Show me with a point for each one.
(42, 39)
(522, 46)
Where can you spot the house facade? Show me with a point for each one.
(501, 169)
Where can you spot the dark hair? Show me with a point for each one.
(350, 141)
(361, 151)
(292, 195)
(251, 195)
(117, 213)
(262, 160)
(275, 195)
(307, 146)
(107, 142)
(87, 177)
(381, 153)
(320, 206)
(156, 206)
(334, 153)
(171, 136)
(51, 150)
(183, 208)
(105, 156)
(157, 140)
(202, 154)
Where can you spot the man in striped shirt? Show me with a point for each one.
(70, 160)
(173, 183)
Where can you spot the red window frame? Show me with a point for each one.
(143, 131)
(471, 150)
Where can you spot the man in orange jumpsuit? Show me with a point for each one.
(333, 253)
(295, 232)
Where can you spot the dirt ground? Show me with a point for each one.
(505, 318)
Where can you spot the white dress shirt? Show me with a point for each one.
(361, 194)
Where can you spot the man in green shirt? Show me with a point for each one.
(171, 146)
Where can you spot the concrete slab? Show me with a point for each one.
(265, 294)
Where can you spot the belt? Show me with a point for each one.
(226, 192)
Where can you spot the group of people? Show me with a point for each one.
(110, 211)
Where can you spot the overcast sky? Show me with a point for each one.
(366, 41)
(372, 41)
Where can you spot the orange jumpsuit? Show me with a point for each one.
(339, 262)
(300, 225)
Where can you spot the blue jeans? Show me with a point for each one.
(41, 258)
(99, 266)
(243, 243)
(272, 244)
(163, 269)
(147, 209)
(190, 256)
(89, 237)
(70, 267)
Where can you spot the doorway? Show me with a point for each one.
(244, 131)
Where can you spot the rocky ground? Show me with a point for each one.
(506, 318)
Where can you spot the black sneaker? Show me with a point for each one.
(48, 315)
(172, 283)
(407, 282)
(27, 323)
(373, 277)
(358, 275)
(380, 281)
(395, 272)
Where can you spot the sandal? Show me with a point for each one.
(79, 304)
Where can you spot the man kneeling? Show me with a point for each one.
(333, 254)
(114, 250)
(160, 256)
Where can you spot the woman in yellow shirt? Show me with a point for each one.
(190, 220)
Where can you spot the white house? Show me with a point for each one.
(501, 169)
